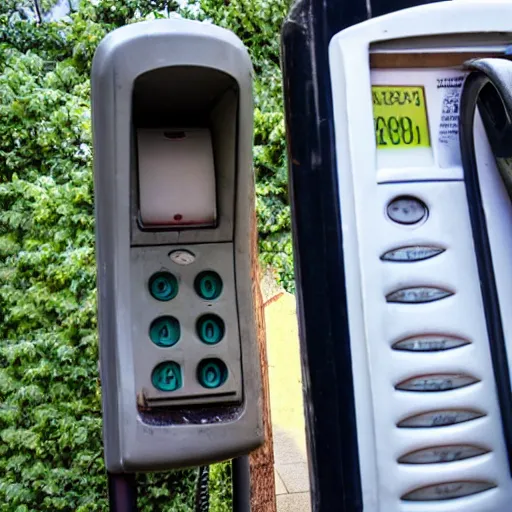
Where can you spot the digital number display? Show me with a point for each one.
(400, 117)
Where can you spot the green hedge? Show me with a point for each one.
(50, 416)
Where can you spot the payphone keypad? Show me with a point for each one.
(186, 325)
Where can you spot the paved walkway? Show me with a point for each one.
(291, 469)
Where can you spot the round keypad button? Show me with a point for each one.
(407, 210)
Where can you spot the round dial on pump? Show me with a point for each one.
(407, 210)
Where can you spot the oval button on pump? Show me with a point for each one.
(440, 418)
(442, 454)
(407, 210)
(430, 343)
(437, 382)
(417, 295)
(412, 253)
(448, 490)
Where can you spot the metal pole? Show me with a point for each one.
(122, 492)
(241, 484)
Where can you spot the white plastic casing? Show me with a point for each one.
(368, 181)
(177, 186)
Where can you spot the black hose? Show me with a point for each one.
(203, 489)
(490, 87)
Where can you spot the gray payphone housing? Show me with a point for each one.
(172, 122)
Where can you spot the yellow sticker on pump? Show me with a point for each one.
(400, 117)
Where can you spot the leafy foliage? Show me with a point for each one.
(50, 421)
(257, 23)
(50, 412)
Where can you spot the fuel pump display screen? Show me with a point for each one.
(400, 117)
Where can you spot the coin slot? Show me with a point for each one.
(175, 135)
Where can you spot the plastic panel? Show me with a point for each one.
(187, 307)
(376, 325)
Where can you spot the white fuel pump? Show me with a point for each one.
(427, 245)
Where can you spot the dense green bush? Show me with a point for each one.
(50, 418)
(257, 23)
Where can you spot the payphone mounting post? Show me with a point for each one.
(174, 187)
(431, 413)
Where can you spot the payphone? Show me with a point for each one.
(172, 122)
(425, 238)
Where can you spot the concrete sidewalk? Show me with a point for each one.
(291, 469)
